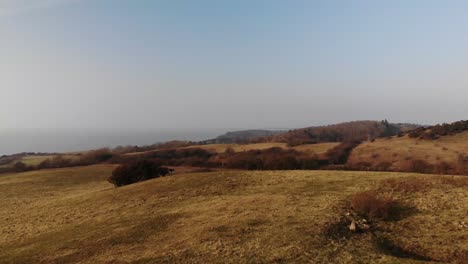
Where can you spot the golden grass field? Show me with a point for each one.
(73, 215)
(397, 150)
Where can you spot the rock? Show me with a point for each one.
(364, 227)
(352, 226)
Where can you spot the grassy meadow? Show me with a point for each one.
(74, 215)
(397, 151)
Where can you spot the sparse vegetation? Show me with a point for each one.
(272, 216)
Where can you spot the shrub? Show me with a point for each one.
(56, 162)
(272, 159)
(361, 165)
(434, 132)
(229, 151)
(420, 166)
(384, 166)
(20, 167)
(370, 205)
(95, 156)
(462, 164)
(340, 153)
(444, 168)
(136, 172)
(196, 157)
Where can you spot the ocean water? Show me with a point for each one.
(64, 141)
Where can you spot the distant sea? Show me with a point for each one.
(65, 141)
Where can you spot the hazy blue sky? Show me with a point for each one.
(115, 64)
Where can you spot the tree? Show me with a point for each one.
(20, 166)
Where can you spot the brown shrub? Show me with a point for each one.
(361, 165)
(21, 167)
(435, 132)
(340, 153)
(384, 166)
(272, 159)
(462, 164)
(95, 156)
(444, 168)
(136, 172)
(195, 157)
(229, 151)
(370, 205)
(420, 166)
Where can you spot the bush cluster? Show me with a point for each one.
(434, 132)
(271, 159)
(88, 158)
(136, 172)
(340, 153)
(196, 157)
(344, 132)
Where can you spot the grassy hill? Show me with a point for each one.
(446, 154)
(73, 215)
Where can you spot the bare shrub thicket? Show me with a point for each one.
(136, 172)
(434, 132)
(371, 206)
(272, 159)
(340, 153)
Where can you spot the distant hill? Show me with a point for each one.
(243, 136)
(349, 131)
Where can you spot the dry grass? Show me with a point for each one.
(437, 226)
(74, 215)
(398, 153)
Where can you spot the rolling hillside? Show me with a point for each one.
(73, 215)
(447, 154)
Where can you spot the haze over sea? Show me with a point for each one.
(66, 140)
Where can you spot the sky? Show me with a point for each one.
(173, 64)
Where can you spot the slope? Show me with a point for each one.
(74, 215)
